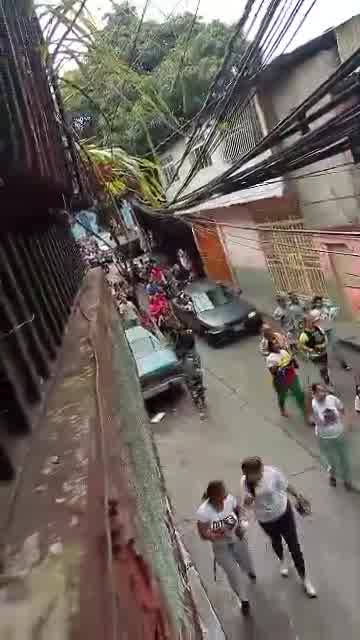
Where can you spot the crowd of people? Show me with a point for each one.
(161, 286)
(308, 331)
(299, 330)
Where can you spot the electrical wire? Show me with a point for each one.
(254, 92)
(271, 13)
(323, 142)
(213, 103)
(187, 42)
(222, 105)
(309, 249)
(267, 229)
(239, 26)
(272, 137)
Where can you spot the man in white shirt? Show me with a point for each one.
(266, 490)
(328, 413)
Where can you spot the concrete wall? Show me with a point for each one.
(246, 258)
(218, 166)
(329, 198)
(342, 272)
(348, 37)
(202, 177)
(243, 248)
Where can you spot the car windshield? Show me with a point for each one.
(211, 299)
(144, 346)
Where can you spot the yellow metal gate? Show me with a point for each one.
(292, 259)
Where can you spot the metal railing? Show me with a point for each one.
(40, 274)
(240, 133)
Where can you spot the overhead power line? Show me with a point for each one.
(229, 50)
(309, 249)
(342, 72)
(268, 229)
(187, 42)
(249, 58)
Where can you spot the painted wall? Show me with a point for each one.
(326, 199)
(342, 272)
(248, 261)
(243, 248)
(244, 254)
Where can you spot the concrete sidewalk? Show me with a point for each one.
(349, 334)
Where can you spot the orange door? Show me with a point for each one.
(212, 253)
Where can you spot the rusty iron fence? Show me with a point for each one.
(40, 274)
(31, 135)
(292, 259)
(37, 147)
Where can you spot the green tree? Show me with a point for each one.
(140, 79)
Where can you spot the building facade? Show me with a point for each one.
(259, 233)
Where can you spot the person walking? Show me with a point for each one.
(328, 413)
(269, 335)
(297, 313)
(324, 315)
(193, 374)
(285, 314)
(282, 366)
(313, 343)
(266, 490)
(128, 312)
(219, 522)
(281, 313)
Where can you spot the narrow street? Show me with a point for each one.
(244, 420)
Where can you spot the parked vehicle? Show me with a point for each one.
(215, 311)
(158, 366)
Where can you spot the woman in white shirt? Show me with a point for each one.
(218, 521)
(328, 413)
(266, 490)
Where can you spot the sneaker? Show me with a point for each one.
(332, 481)
(284, 571)
(245, 607)
(309, 589)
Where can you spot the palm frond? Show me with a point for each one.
(121, 173)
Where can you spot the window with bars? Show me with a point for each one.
(169, 169)
(241, 133)
(201, 157)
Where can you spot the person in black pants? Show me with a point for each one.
(267, 491)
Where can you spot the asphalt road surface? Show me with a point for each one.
(244, 420)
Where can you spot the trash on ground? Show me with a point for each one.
(158, 417)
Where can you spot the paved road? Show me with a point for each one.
(244, 420)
